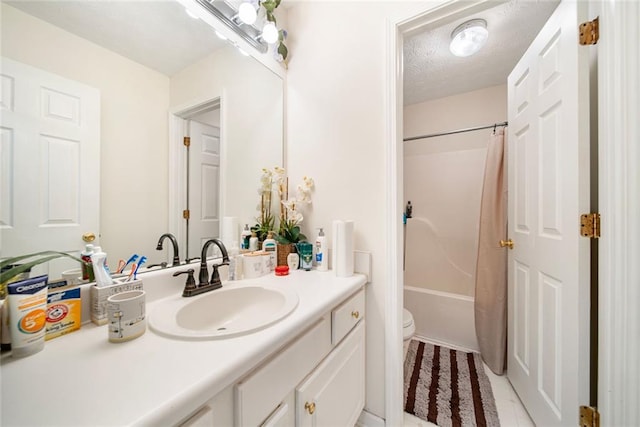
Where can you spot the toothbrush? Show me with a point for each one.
(133, 268)
(133, 258)
(142, 261)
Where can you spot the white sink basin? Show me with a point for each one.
(223, 313)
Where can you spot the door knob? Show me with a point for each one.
(507, 243)
(88, 237)
(310, 407)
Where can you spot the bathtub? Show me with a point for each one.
(439, 282)
(442, 318)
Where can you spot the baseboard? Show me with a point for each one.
(367, 419)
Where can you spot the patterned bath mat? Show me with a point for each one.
(448, 387)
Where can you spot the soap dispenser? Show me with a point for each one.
(253, 242)
(322, 260)
(269, 246)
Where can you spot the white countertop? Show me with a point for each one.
(83, 379)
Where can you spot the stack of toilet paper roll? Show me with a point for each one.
(342, 249)
(230, 234)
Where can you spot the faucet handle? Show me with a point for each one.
(190, 285)
(215, 281)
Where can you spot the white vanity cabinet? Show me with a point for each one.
(333, 395)
(319, 377)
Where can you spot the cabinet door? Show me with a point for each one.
(333, 395)
(283, 416)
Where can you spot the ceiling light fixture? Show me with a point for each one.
(469, 37)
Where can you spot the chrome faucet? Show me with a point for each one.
(203, 277)
(174, 243)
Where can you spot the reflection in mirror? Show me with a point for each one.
(142, 91)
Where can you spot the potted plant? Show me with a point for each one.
(289, 232)
(13, 267)
(266, 219)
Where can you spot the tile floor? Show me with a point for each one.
(510, 410)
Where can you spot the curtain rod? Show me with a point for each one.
(431, 135)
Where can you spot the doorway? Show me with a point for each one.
(195, 174)
(442, 15)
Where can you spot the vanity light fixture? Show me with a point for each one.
(469, 37)
(262, 32)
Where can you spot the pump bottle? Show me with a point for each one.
(322, 258)
(244, 237)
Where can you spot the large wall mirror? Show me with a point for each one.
(149, 74)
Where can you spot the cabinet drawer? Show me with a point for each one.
(261, 392)
(346, 316)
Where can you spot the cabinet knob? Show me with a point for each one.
(310, 407)
(88, 237)
(355, 314)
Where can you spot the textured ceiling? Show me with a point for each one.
(431, 71)
(157, 34)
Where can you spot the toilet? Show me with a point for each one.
(408, 330)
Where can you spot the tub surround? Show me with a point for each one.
(82, 379)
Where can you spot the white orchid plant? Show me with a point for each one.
(290, 215)
(266, 220)
(290, 208)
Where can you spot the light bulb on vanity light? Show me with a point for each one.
(270, 33)
(469, 37)
(247, 13)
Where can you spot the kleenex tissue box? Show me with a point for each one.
(99, 297)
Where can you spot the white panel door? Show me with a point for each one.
(548, 343)
(50, 159)
(204, 185)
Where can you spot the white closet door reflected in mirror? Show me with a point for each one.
(203, 181)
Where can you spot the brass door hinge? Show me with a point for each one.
(590, 225)
(589, 417)
(590, 32)
(186, 214)
(187, 141)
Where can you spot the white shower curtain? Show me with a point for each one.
(491, 270)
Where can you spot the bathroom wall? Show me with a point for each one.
(443, 179)
(252, 117)
(134, 103)
(336, 134)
